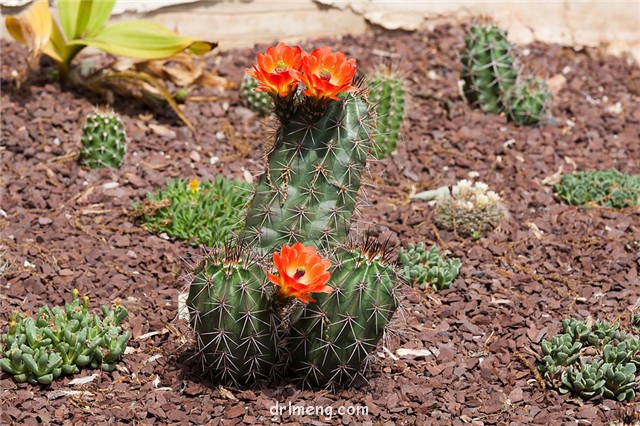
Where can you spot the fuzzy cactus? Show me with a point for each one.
(103, 139)
(387, 93)
(428, 268)
(488, 67)
(320, 308)
(258, 102)
(527, 101)
(63, 340)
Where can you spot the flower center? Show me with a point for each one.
(325, 75)
(281, 67)
(299, 273)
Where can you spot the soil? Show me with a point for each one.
(67, 227)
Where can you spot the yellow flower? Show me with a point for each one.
(193, 185)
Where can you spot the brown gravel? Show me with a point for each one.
(67, 227)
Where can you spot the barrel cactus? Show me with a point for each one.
(258, 102)
(291, 287)
(104, 142)
(527, 101)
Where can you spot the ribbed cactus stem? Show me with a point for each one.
(308, 191)
(233, 314)
(387, 92)
(333, 337)
(104, 142)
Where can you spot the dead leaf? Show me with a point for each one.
(554, 178)
(226, 393)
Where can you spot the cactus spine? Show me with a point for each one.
(388, 93)
(332, 339)
(308, 191)
(232, 312)
(258, 102)
(527, 101)
(104, 141)
(488, 67)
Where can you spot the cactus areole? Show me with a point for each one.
(273, 302)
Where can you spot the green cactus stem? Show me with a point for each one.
(259, 102)
(527, 101)
(104, 141)
(387, 93)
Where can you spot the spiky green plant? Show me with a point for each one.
(104, 142)
(591, 360)
(62, 340)
(428, 268)
(333, 337)
(387, 93)
(527, 101)
(258, 102)
(198, 212)
(606, 188)
(488, 67)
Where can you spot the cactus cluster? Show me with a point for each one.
(387, 92)
(198, 212)
(62, 340)
(469, 209)
(258, 102)
(591, 360)
(606, 188)
(428, 268)
(104, 142)
(255, 319)
(491, 80)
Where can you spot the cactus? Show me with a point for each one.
(258, 102)
(527, 101)
(428, 268)
(488, 67)
(63, 340)
(104, 141)
(333, 337)
(606, 188)
(321, 315)
(308, 191)
(232, 312)
(590, 360)
(387, 92)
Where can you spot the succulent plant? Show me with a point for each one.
(527, 101)
(607, 188)
(428, 268)
(387, 93)
(198, 212)
(258, 102)
(469, 209)
(488, 67)
(592, 360)
(254, 321)
(104, 141)
(62, 340)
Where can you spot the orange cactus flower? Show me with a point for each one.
(274, 69)
(301, 271)
(326, 74)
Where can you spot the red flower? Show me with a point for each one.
(326, 74)
(301, 271)
(274, 69)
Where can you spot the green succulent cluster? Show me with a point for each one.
(606, 188)
(104, 142)
(491, 82)
(62, 340)
(258, 102)
(198, 212)
(592, 360)
(428, 268)
(387, 93)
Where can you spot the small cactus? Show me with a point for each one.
(387, 92)
(428, 268)
(606, 188)
(488, 67)
(104, 141)
(62, 340)
(258, 102)
(527, 101)
(591, 360)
